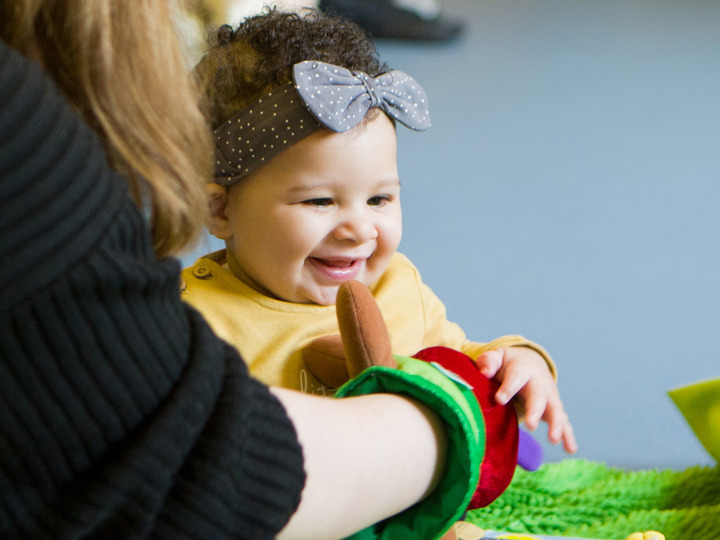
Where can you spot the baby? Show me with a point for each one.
(306, 195)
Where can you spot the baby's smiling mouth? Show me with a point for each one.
(335, 263)
(337, 269)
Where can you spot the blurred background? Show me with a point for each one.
(568, 191)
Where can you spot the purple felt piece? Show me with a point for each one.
(530, 453)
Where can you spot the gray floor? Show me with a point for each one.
(568, 191)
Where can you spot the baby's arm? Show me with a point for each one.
(524, 373)
(523, 368)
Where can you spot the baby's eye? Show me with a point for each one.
(378, 200)
(319, 202)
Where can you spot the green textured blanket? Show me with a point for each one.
(582, 498)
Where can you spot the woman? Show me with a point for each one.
(123, 415)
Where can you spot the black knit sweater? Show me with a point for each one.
(121, 414)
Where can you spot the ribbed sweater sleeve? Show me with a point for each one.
(123, 416)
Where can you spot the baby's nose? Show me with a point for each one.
(357, 229)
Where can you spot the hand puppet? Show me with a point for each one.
(364, 342)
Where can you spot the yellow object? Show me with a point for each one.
(270, 334)
(467, 531)
(647, 535)
(700, 405)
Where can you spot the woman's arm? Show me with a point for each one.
(366, 458)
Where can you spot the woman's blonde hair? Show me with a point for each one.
(121, 65)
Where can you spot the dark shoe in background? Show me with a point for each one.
(384, 20)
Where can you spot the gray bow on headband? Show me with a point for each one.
(339, 98)
(321, 96)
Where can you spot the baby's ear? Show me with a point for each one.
(218, 224)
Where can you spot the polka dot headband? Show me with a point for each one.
(320, 96)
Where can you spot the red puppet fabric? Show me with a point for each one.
(501, 424)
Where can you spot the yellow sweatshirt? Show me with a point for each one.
(270, 334)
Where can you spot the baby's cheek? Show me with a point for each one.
(376, 266)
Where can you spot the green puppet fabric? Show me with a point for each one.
(456, 405)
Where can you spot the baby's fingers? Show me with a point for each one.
(569, 443)
(490, 362)
(534, 409)
(559, 427)
(513, 381)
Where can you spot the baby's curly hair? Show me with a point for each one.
(245, 63)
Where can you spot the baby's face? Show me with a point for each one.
(324, 211)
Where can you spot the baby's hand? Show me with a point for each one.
(523, 372)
